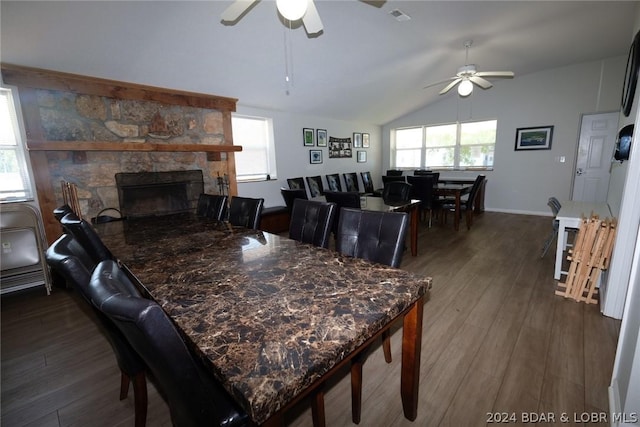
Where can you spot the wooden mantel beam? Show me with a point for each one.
(54, 80)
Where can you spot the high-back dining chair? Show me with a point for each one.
(342, 199)
(245, 211)
(422, 188)
(194, 396)
(290, 195)
(351, 182)
(312, 222)
(212, 206)
(296, 184)
(67, 257)
(377, 237)
(467, 205)
(86, 236)
(396, 192)
(367, 182)
(394, 172)
(555, 205)
(333, 182)
(391, 178)
(315, 186)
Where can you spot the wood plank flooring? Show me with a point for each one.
(495, 340)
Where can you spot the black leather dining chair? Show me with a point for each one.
(377, 237)
(194, 396)
(86, 236)
(312, 222)
(422, 188)
(212, 206)
(396, 192)
(342, 199)
(351, 182)
(394, 172)
(67, 257)
(367, 182)
(61, 211)
(333, 182)
(393, 178)
(315, 186)
(290, 195)
(467, 205)
(245, 212)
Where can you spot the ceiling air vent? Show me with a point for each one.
(399, 15)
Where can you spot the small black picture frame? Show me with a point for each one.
(308, 137)
(321, 137)
(534, 138)
(315, 157)
(361, 156)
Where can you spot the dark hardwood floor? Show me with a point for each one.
(495, 339)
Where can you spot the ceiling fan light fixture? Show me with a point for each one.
(292, 9)
(465, 88)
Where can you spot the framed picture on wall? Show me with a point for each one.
(362, 156)
(365, 140)
(538, 138)
(357, 140)
(315, 157)
(307, 135)
(321, 137)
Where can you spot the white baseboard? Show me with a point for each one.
(519, 212)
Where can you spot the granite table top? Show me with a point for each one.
(272, 315)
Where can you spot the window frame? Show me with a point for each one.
(457, 148)
(268, 148)
(19, 148)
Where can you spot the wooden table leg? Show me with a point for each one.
(413, 219)
(411, 349)
(456, 220)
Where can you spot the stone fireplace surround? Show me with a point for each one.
(84, 130)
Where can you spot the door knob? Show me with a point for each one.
(579, 171)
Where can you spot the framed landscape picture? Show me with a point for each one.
(307, 134)
(365, 140)
(538, 138)
(315, 157)
(321, 137)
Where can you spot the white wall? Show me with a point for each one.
(292, 158)
(522, 181)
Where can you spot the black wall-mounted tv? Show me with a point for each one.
(623, 143)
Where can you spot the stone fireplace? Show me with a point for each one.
(158, 193)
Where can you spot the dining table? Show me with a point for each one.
(448, 189)
(273, 318)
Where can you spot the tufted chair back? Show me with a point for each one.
(245, 212)
(312, 222)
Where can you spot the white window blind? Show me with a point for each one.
(14, 176)
(256, 161)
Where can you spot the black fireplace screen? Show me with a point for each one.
(158, 193)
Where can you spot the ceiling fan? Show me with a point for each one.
(468, 75)
(292, 10)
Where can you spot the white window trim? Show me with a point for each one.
(270, 149)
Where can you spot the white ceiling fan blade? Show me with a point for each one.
(311, 19)
(506, 74)
(439, 83)
(448, 87)
(236, 9)
(484, 84)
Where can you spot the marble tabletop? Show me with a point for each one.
(272, 315)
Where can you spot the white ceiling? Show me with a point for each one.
(365, 66)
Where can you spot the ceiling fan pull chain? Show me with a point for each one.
(288, 60)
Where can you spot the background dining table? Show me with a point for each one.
(273, 317)
(457, 190)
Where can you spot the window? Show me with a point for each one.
(448, 146)
(257, 160)
(14, 176)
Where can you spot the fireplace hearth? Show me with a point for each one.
(158, 193)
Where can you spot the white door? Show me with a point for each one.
(595, 150)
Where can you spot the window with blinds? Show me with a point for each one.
(14, 177)
(257, 160)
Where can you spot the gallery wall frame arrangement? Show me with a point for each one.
(321, 137)
(308, 137)
(315, 157)
(534, 138)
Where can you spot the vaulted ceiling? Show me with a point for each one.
(365, 65)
